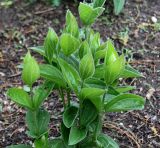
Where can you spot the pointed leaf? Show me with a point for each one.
(71, 24)
(30, 71)
(130, 72)
(76, 135)
(57, 143)
(106, 141)
(94, 82)
(118, 6)
(122, 89)
(99, 71)
(37, 122)
(98, 3)
(88, 14)
(125, 102)
(69, 116)
(88, 113)
(20, 97)
(91, 92)
(111, 53)
(65, 133)
(38, 49)
(94, 42)
(86, 66)
(51, 73)
(69, 44)
(50, 44)
(41, 93)
(84, 49)
(94, 95)
(70, 74)
(114, 69)
(100, 54)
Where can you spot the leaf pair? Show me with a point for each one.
(71, 133)
(22, 98)
(88, 14)
(37, 122)
(114, 65)
(88, 113)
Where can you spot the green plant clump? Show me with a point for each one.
(76, 62)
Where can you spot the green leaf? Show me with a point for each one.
(70, 74)
(94, 82)
(100, 54)
(112, 91)
(88, 113)
(41, 142)
(57, 143)
(99, 71)
(86, 66)
(111, 53)
(72, 60)
(41, 93)
(106, 141)
(50, 44)
(122, 89)
(69, 43)
(125, 102)
(130, 72)
(84, 49)
(96, 125)
(94, 41)
(30, 71)
(94, 95)
(65, 133)
(69, 116)
(118, 6)
(88, 14)
(51, 73)
(37, 122)
(19, 146)
(114, 69)
(20, 97)
(39, 49)
(76, 135)
(98, 3)
(91, 92)
(71, 24)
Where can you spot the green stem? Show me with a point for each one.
(69, 97)
(80, 102)
(87, 33)
(62, 97)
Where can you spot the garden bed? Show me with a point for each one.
(133, 31)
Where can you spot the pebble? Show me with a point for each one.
(154, 19)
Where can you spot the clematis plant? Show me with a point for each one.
(76, 62)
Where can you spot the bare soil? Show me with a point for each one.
(134, 33)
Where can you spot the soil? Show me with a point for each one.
(23, 26)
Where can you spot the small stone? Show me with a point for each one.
(154, 19)
(121, 124)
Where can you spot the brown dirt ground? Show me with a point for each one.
(22, 26)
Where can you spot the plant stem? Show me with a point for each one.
(62, 97)
(80, 102)
(34, 112)
(87, 33)
(68, 97)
